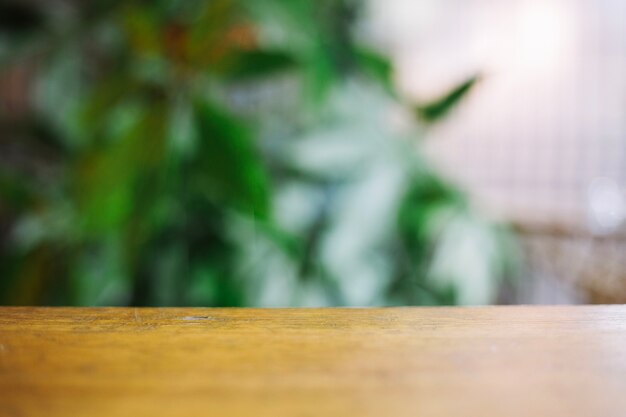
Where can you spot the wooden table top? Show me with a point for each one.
(494, 361)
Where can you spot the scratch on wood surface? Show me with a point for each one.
(136, 314)
(194, 318)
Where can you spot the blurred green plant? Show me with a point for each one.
(227, 153)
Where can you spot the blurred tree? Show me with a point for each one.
(226, 153)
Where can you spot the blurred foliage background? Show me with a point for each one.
(224, 153)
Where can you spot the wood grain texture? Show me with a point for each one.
(498, 361)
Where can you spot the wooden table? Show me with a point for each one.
(498, 361)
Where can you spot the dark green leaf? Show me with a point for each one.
(229, 166)
(250, 65)
(434, 111)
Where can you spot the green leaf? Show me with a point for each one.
(377, 67)
(104, 178)
(101, 186)
(250, 65)
(425, 196)
(229, 167)
(434, 111)
(100, 276)
(319, 77)
(15, 194)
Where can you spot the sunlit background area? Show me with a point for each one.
(312, 153)
(540, 142)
